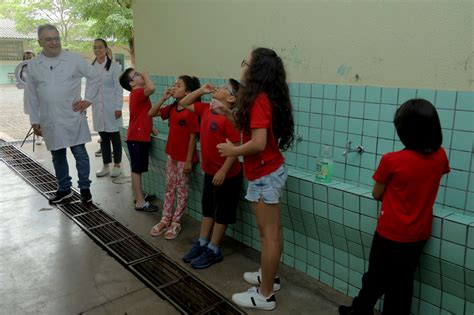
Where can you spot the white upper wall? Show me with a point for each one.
(400, 43)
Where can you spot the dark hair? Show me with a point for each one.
(28, 52)
(235, 85)
(190, 83)
(266, 73)
(125, 79)
(109, 61)
(418, 126)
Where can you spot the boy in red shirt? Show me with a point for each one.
(139, 129)
(406, 182)
(222, 176)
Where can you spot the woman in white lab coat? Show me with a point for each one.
(107, 109)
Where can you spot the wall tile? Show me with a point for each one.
(452, 271)
(335, 197)
(463, 121)
(452, 303)
(431, 294)
(329, 91)
(405, 95)
(373, 94)
(386, 130)
(427, 308)
(428, 95)
(455, 198)
(343, 92)
(317, 90)
(305, 89)
(460, 160)
(316, 105)
(342, 108)
(328, 122)
(452, 252)
(356, 110)
(384, 146)
(355, 126)
(462, 140)
(446, 118)
(304, 104)
(465, 101)
(371, 111)
(357, 93)
(445, 99)
(458, 179)
(294, 89)
(387, 112)
(336, 215)
(390, 96)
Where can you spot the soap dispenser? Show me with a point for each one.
(324, 165)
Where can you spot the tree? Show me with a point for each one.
(78, 21)
(109, 19)
(28, 14)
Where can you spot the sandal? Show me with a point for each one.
(173, 231)
(159, 229)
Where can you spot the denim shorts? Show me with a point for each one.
(268, 188)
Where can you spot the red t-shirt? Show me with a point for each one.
(215, 129)
(412, 181)
(270, 159)
(140, 125)
(182, 124)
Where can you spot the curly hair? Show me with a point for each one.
(266, 73)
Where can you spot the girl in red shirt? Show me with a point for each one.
(181, 154)
(264, 114)
(406, 182)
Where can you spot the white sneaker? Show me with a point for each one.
(116, 171)
(253, 299)
(103, 172)
(255, 278)
(39, 141)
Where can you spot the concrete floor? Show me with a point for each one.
(48, 265)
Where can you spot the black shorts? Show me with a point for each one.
(139, 154)
(220, 202)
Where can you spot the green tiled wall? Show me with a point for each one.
(328, 228)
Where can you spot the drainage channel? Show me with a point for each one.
(169, 280)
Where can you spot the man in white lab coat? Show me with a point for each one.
(57, 111)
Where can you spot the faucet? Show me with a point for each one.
(359, 149)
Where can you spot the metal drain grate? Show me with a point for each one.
(168, 279)
(133, 249)
(77, 208)
(111, 232)
(93, 219)
(159, 271)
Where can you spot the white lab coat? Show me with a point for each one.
(51, 92)
(109, 99)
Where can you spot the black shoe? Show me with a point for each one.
(147, 197)
(346, 310)
(60, 196)
(86, 196)
(147, 207)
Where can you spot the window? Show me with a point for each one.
(11, 50)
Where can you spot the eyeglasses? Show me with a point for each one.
(136, 74)
(244, 63)
(52, 39)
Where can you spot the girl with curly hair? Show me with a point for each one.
(264, 114)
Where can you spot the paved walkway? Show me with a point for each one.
(14, 123)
